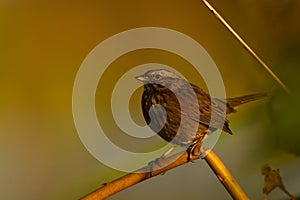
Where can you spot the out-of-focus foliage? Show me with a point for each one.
(43, 43)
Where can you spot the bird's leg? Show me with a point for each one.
(167, 152)
(193, 150)
(196, 149)
(157, 161)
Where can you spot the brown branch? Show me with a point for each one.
(224, 176)
(175, 160)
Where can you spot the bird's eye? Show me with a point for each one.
(157, 76)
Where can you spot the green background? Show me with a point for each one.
(42, 45)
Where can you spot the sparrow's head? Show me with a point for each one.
(162, 77)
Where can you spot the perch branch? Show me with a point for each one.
(225, 176)
(175, 160)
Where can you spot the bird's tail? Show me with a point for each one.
(233, 103)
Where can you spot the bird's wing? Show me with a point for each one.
(212, 111)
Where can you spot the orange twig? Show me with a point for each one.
(176, 160)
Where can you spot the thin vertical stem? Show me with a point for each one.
(247, 47)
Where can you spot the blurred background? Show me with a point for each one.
(43, 44)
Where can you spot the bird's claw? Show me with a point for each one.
(197, 150)
(153, 163)
(157, 161)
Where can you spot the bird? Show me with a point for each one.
(181, 112)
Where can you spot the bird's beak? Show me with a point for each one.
(142, 78)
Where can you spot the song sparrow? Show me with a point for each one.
(185, 113)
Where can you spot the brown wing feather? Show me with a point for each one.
(212, 112)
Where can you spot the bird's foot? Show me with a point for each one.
(197, 150)
(158, 161)
(193, 150)
(153, 164)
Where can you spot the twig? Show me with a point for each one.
(175, 160)
(247, 47)
(225, 177)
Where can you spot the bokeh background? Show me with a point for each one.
(43, 43)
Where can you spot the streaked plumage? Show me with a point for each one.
(212, 113)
